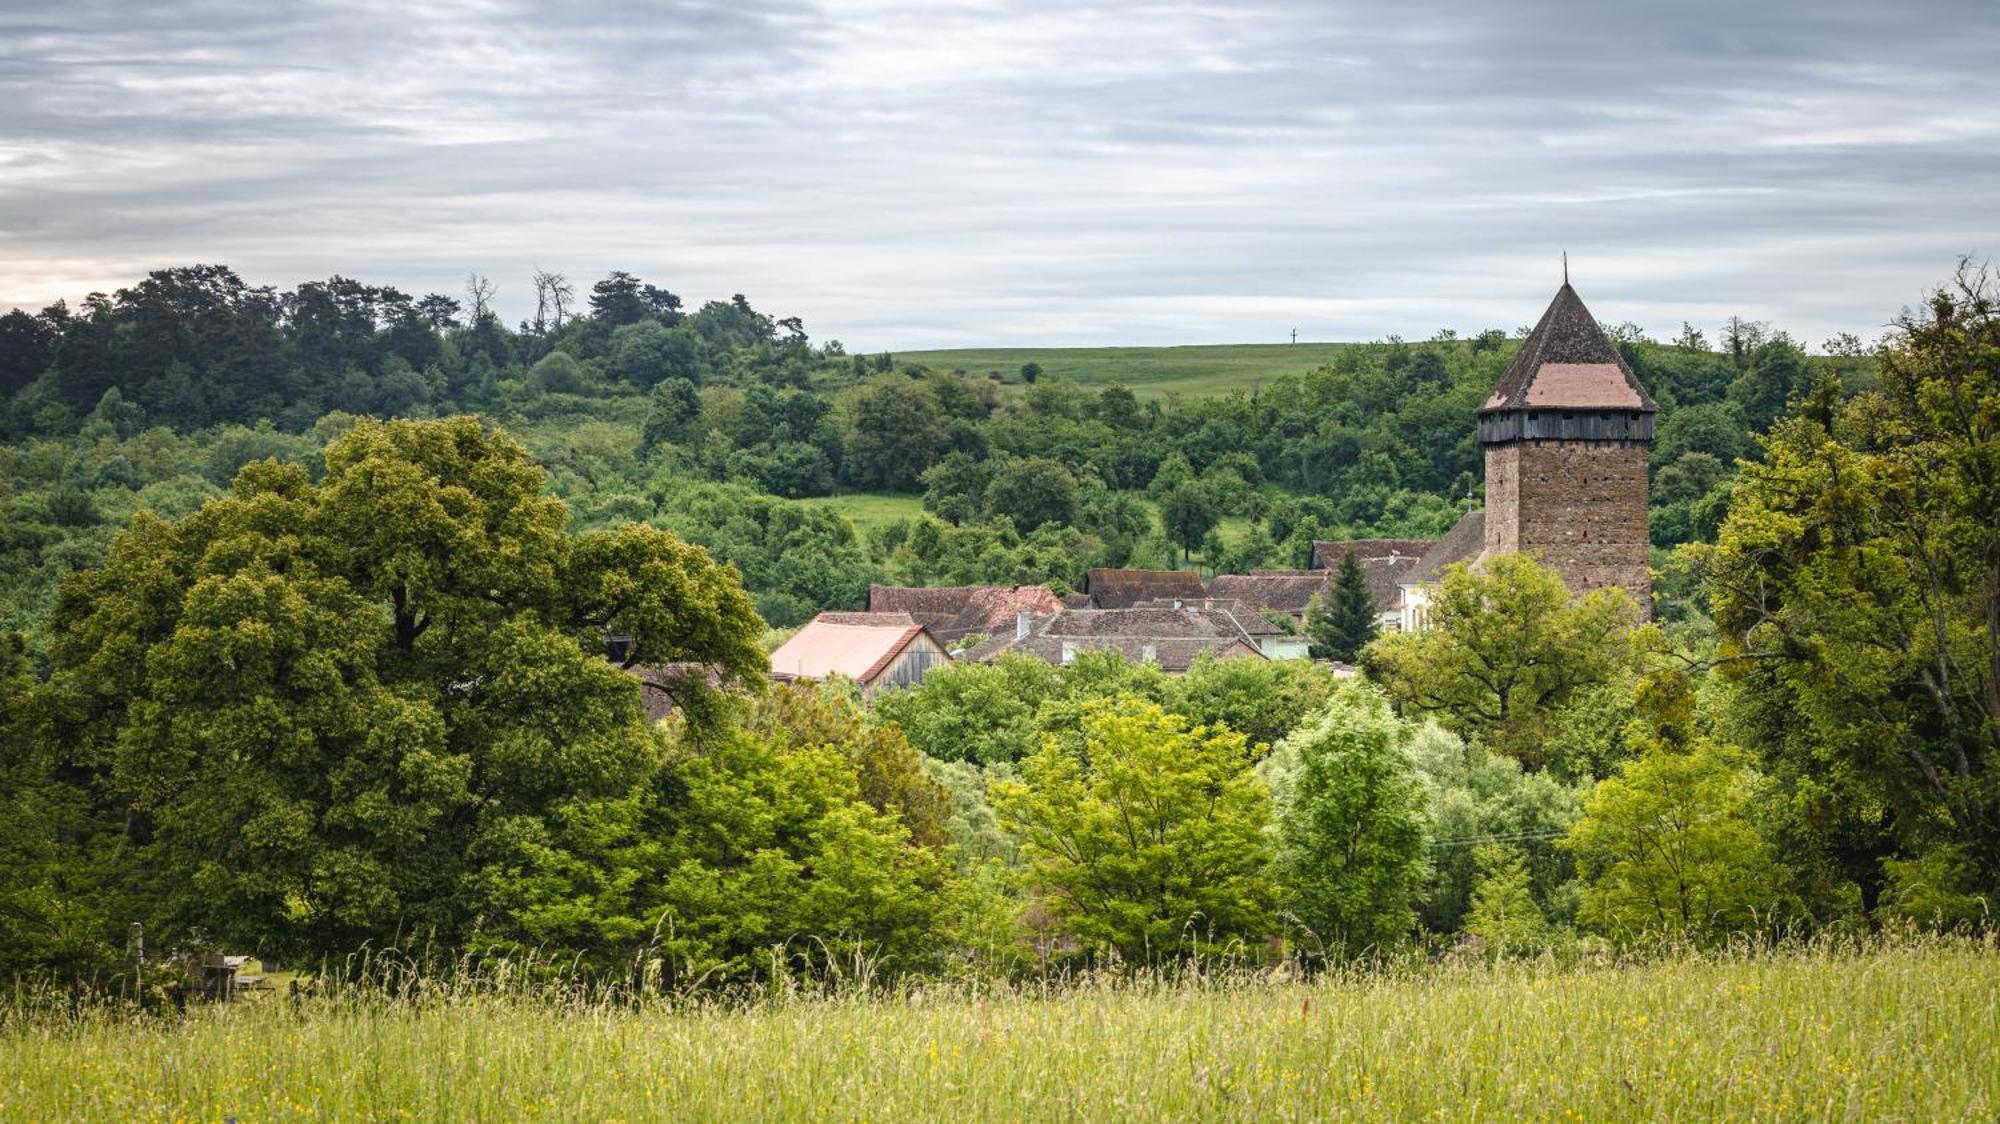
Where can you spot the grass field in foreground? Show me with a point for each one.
(1908, 1033)
(1194, 369)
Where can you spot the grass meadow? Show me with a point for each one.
(1899, 1031)
(1194, 370)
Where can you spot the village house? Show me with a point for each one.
(1172, 638)
(1286, 592)
(876, 650)
(1384, 563)
(953, 613)
(1460, 544)
(1122, 589)
(1276, 641)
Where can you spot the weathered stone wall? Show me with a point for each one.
(1578, 506)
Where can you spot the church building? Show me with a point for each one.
(1566, 434)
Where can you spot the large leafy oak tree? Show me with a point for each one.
(320, 713)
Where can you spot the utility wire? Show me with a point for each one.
(1475, 840)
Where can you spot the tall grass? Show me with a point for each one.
(1892, 1030)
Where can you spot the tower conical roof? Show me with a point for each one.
(1568, 362)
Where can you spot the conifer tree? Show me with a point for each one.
(1342, 620)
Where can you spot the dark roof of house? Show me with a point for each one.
(1172, 638)
(1383, 563)
(880, 619)
(1462, 543)
(1282, 591)
(957, 611)
(1248, 616)
(1121, 589)
(1568, 362)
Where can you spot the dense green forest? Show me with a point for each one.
(711, 422)
(295, 679)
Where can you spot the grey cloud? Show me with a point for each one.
(1018, 171)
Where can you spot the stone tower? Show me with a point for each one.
(1566, 435)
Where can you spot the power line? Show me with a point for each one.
(1519, 837)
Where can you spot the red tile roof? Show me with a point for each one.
(953, 612)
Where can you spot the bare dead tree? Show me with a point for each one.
(553, 296)
(479, 293)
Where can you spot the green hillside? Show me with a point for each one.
(1149, 371)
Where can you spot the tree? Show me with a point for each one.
(889, 772)
(775, 849)
(314, 712)
(1351, 830)
(1856, 583)
(1504, 913)
(27, 346)
(558, 372)
(1777, 369)
(978, 712)
(895, 432)
(1672, 845)
(1033, 492)
(1152, 842)
(553, 294)
(1342, 619)
(479, 292)
(1507, 646)
(1263, 700)
(1474, 795)
(620, 299)
(645, 353)
(1188, 513)
(1716, 428)
(955, 487)
(1030, 372)
(671, 412)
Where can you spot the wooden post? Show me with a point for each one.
(135, 941)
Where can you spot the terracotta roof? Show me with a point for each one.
(857, 645)
(1283, 591)
(1121, 589)
(1462, 543)
(1384, 562)
(1568, 362)
(1173, 638)
(953, 612)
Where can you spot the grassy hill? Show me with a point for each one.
(1195, 369)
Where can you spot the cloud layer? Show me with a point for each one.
(1022, 171)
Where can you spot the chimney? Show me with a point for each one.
(1021, 619)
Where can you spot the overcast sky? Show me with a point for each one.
(1023, 172)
